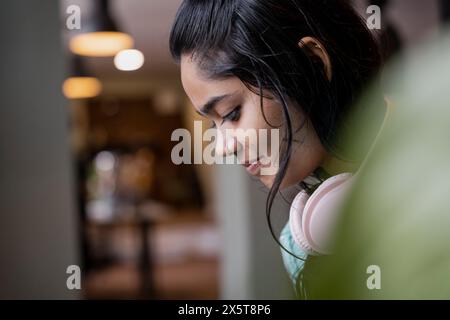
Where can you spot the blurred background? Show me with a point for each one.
(86, 176)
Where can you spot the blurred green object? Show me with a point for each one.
(397, 218)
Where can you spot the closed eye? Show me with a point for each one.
(233, 115)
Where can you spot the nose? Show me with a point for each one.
(226, 145)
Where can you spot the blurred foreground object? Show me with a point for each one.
(395, 231)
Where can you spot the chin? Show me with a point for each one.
(267, 180)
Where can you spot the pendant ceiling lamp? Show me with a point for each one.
(100, 36)
(80, 85)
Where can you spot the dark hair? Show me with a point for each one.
(257, 41)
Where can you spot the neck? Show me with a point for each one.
(333, 166)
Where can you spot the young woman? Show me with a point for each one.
(294, 65)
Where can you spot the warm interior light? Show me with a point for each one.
(129, 60)
(100, 44)
(81, 87)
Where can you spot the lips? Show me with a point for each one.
(252, 167)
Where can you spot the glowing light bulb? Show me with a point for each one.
(129, 60)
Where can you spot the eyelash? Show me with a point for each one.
(232, 116)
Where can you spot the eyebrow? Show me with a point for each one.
(211, 104)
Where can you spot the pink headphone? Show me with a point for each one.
(313, 219)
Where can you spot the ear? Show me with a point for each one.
(315, 48)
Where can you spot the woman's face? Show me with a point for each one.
(237, 107)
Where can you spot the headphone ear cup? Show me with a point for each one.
(295, 222)
(313, 218)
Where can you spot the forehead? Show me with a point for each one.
(199, 88)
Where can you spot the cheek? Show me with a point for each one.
(252, 117)
(273, 112)
(270, 114)
(305, 158)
